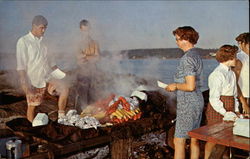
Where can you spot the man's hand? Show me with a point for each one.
(52, 89)
(246, 109)
(171, 87)
(25, 86)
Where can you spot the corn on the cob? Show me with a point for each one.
(137, 110)
(126, 113)
(132, 112)
(118, 114)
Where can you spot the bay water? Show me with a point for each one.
(160, 69)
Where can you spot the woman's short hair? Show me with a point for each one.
(243, 38)
(226, 52)
(187, 33)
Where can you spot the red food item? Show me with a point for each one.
(125, 104)
(113, 108)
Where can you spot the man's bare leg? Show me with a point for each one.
(62, 102)
(31, 113)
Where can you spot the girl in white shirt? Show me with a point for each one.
(223, 90)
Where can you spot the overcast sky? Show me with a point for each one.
(121, 25)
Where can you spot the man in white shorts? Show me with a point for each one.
(36, 71)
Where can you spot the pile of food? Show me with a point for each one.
(116, 109)
(73, 119)
(124, 109)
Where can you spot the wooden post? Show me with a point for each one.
(121, 148)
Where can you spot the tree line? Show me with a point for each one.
(163, 53)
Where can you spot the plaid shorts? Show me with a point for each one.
(36, 97)
(213, 116)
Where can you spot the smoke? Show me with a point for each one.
(119, 75)
(112, 75)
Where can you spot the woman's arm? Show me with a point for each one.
(188, 86)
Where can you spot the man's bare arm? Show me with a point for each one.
(237, 70)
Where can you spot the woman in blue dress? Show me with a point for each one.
(188, 80)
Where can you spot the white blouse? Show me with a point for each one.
(222, 82)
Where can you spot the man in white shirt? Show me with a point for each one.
(242, 71)
(35, 71)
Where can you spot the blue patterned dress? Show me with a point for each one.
(189, 104)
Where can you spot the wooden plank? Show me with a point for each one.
(221, 133)
(223, 137)
(226, 138)
(240, 142)
(83, 145)
(74, 147)
(197, 136)
(43, 155)
(208, 130)
(203, 132)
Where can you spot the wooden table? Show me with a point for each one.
(221, 133)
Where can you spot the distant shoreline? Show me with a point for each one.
(164, 53)
(161, 53)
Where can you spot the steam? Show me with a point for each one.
(112, 75)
